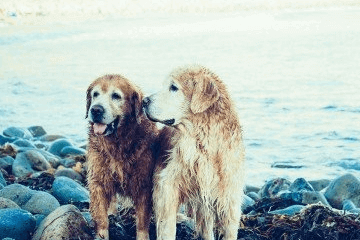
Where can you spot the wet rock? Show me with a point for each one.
(273, 187)
(249, 188)
(254, 196)
(17, 193)
(50, 138)
(39, 218)
(87, 216)
(37, 131)
(349, 206)
(70, 173)
(67, 191)
(37, 160)
(41, 145)
(6, 162)
(319, 185)
(24, 143)
(16, 223)
(4, 140)
(71, 150)
(41, 203)
(248, 202)
(314, 197)
(2, 179)
(300, 184)
(66, 222)
(286, 164)
(21, 166)
(17, 132)
(51, 158)
(290, 211)
(7, 203)
(58, 145)
(67, 162)
(346, 187)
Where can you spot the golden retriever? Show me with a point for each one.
(123, 148)
(206, 163)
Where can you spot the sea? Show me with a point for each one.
(293, 73)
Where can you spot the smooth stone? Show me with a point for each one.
(50, 138)
(4, 140)
(16, 223)
(66, 222)
(1, 186)
(41, 203)
(17, 132)
(300, 184)
(37, 160)
(285, 164)
(273, 187)
(51, 158)
(314, 197)
(67, 191)
(7, 203)
(343, 188)
(319, 185)
(6, 162)
(39, 218)
(87, 216)
(348, 205)
(71, 150)
(290, 211)
(2, 179)
(254, 196)
(41, 145)
(249, 188)
(17, 193)
(21, 166)
(24, 143)
(67, 162)
(70, 173)
(56, 147)
(37, 131)
(247, 203)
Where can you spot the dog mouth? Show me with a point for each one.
(168, 122)
(105, 129)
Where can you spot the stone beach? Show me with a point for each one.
(43, 195)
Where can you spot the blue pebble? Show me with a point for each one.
(58, 145)
(70, 150)
(17, 224)
(4, 140)
(2, 179)
(292, 210)
(24, 143)
(68, 191)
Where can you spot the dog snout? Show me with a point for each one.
(97, 113)
(146, 102)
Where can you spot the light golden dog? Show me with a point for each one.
(123, 148)
(206, 164)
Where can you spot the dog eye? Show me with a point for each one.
(95, 94)
(116, 96)
(173, 88)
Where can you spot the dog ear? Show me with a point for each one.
(88, 100)
(205, 94)
(136, 100)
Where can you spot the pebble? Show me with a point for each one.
(67, 162)
(41, 203)
(349, 206)
(37, 131)
(39, 218)
(21, 166)
(319, 185)
(16, 223)
(286, 164)
(247, 203)
(346, 187)
(273, 187)
(4, 140)
(71, 150)
(68, 191)
(70, 173)
(24, 143)
(66, 222)
(7, 203)
(300, 184)
(51, 158)
(56, 147)
(2, 179)
(50, 138)
(254, 196)
(37, 160)
(17, 193)
(249, 188)
(17, 132)
(6, 162)
(290, 211)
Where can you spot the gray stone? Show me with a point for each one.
(4, 140)
(1, 186)
(248, 202)
(87, 216)
(2, 179)
(7, 203)
(346, 187)
(41, 145)
(67, 162)
(37, 131)
(50, 138)
(51, 158)
(314, 197)
(41, 203)
(21, 166)
(286, 164)
(39, 218)
(17, 193)
(319, 185)
(6, 162)
(70, 173)
(16, 223)
(70, 150)
(37, 160)
(249, 188)
(349, 206)
(300, 184)
(66, 222)
(273, 187)
(254, 196)
(17, 132)
(290, 211)
(67, 191)
(58, 145)
(24, 143)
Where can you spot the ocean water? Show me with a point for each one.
(294, 75)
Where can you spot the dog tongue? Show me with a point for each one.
(99, 128)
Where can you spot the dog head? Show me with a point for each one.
(187, 91)
(111, 100)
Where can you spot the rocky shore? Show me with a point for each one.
(43, 195)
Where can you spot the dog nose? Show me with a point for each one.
(146, 102)
(97, 113)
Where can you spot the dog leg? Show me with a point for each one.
(230, 221)
(205, 222)
(143, 215)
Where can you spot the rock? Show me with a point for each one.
(41, 145)
(17, 193)
(51, 158)
(67, 162)
(4, 140)
(58, 145)
(39, 218)
(7, 203)
(249, 188)
(87, 216)
(70, 173)
(290, 211)
(37, 160)
(37, 131)
(70, 150)
(319, 185)
(24, 143)
(300, 184)
(21, 166)
(50, 138)
(41, 203)
(6, 162)
(17, 132)
(16, 223)
(254, 196)
(349, 206)
(248, 202)
(286, 164)
(314, 197)
(67, 191)
(273, 187)
(66, 222)
(2, 179)
(346, 187)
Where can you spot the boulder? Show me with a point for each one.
(17, 132)
(56, 147)
(16, 223)
(17, 193)
(300, 184)
(68, 191)
(21, 166)
(319, 185)
(24, 143)
(37, 160)
(70, 173)
(41, 203)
